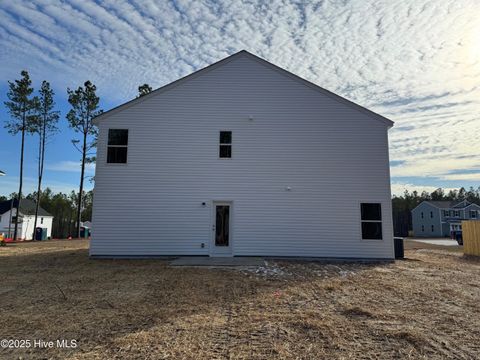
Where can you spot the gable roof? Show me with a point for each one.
(217, 64)
(461, 204)
(27, 207)
(443, 204)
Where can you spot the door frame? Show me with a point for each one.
(223, 251)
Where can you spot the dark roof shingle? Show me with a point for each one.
(27, 207)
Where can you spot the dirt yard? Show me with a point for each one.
(427, 306)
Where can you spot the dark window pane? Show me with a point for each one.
(222, 225)
(20, 219)
(371, 211)
(117, 155)
(225, 151)
(117, 137)
(372, 230)
(225, 137)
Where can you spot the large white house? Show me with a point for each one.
(26, 226)
(242, 158)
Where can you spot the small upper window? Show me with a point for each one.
(422, 214)
(423, 228)
(371, 214)
(225, 150)
(457, 213)
(117, 146)
(41, 220)
(20, 219)
(473, 214)
(433, 228)
(431, 214)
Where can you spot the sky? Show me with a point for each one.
(415, 62)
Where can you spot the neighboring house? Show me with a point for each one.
(439, 218)
(242, 158)
(26, 221)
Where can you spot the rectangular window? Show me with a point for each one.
(371, 215)
(457, 213)
(431, 214)
(432, 228)
(41, 220)
(445, 213)
(473, 214)
(225, 150)
(117, 146)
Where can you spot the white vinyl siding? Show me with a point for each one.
(331, 156)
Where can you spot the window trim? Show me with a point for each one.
(369, 201)
(225, 144)
(474, 212)
(125, 146)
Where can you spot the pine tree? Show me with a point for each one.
(84, 102)
(144, 90)
(20, 107)
(45, 125)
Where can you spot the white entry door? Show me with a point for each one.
(221, 243)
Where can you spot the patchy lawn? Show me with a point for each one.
(427, 306)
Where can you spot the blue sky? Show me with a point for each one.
(415, 62)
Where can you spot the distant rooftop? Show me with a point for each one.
(449, 204)
(27, 207)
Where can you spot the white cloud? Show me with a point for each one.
(70, 166)
(470, 177)
(415, 61)
(9, 184)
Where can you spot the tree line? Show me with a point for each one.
(403, 205)
(36, 114)
(63, 208)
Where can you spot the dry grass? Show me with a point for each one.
(427, 306)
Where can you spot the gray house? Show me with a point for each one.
(242, 158)
(439, 218)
